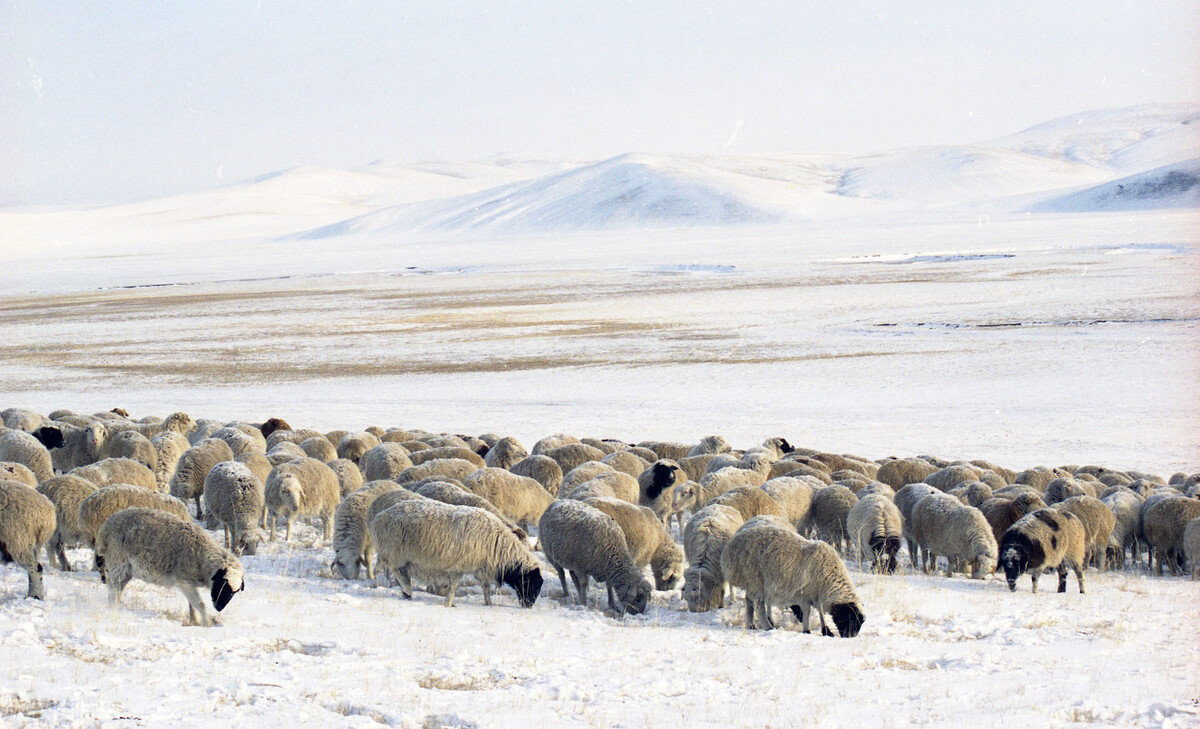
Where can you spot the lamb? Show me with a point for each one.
(647, 539)
(875, 528)
(235, 496)
(837, 462)
(194, 465)
(573, 454)
(20, 447)
(590, 544)
(385, 461)
(166, 550)
(27, 523)
(451, 492)
(1165, 523)
(1191, 546)
(505, 454)
(352, 547)
(657, 484)
(66, 493)
(1098, 522)
(72, 446)
(543, 469)
(1044, 539)
(444, 542)
(1002, 512)
(750, 501)
(301, 488)
(518, 498)
(830, 507)
(455, 468)
(794, 496)
(108, 500)
(1126, 507)
(945, 526)
(169, 447)
(704, 538)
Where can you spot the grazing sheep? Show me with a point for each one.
(506, 453)
(1165, 523)
(18, 472)
(295, 436)
(1044, 539)
(610, 483)
(452, 492)
(704, 538)
(794, 496)
(320, 448)
(72, 446)
(285, 451)
(656, 486)
(543, 469)
(876, 528)
(830, 507)
(901, 472)
(837, 462)
(587, 542)
(945, 526)
(66, 493)
(235, 497)
(710, 444)
(1063, 488)
(272, 425)
(389, 498)
(691, 496)
(574, 454)
(550, 442)
(648, 541)
(455, 468)
(741, 563)
(905, 499)
(1098, 522)
(108, 500)
(26, 524)
(626, 462)
(809, 575)
(750, 501)
(876, 487)
(1002, 512)
(429, 454)
(695, 466)
(666, 450)
(518, 498)
(972, 494)
(352, 547)
(239, 441)
(1191, 546)
(350, 477)
(354, 445)
(583, 473)
(194, 465)
(442, 542)
(169, 447)
(304, 487)
(1126, 507)
(386, 461)
(22, 419)
(108, 471)
(165, 550)
(20, 447)
(1039, 477)
(953, 476)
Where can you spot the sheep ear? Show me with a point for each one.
(49, 436)
(222, 593)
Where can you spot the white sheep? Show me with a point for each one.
(165, 550)
(750, 501)
(442, 542)
(320, 448)
(19, 447)
(1098, 522)
(108, 471)
(876, 528)
(574, 454)
(10, 471)
(830, 507)
(384, 461)
(26, 524)
(519, 498)
(66, 492)
(352, 547)
(647, 539)
(693, 495)
(1126, 507)
(108, 500)
(455, 468)
(460, 452)
(22, 419)
(453, 492)
(169, 447)
(350, 476)
(704, 538)
(353, 445)
(505, 453)
(945, 526)
(627, 462)
(794, 496)
(1164, 523)
(235, 497)
(303, 487)
(582, 473)
(1044, 539)
(543, 469)
(194, 465)
(1191, 546)
(587, 542)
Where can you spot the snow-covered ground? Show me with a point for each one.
(908, 302)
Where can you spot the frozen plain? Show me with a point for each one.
(858, 323)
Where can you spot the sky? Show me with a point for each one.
(110, 102)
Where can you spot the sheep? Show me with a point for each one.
(1063, 488)
(583, 473)
(22, 419)
(295, 436)
(1164, 523)
(385, 461)
(587, 542)
(742, 563)
(455, 468)
(19, 447)
(1039, 477)
(350, 477)
(750, 501)
(237, 440)
(518, 498)
(952, 476)
(806, 575)
(235, 497)
(573, 454)
(550, 442)
(609, 483)
(830, 507)
(352, 547)
(607, 445)
(704, 538)
(389, 497)
(945, 526)
(646, 538)
(354, 445)
(1002, 512)
(108, 471)
(876, 487)
(656, 486)
(710, 444)
(108, 500)
(505, 453)
(71, 446)
(692, 496)
(169, 447)
(837, 462)
(1044, 539)
(320, 448)
(18, 472)
(285, 451)
(717, 461)
(695, 466)
(165, 550)
(453, 492)
(543, 469)
(876, 527)
(905, 499)
(778, 447)
(445, 441)
(27, 523)
(667, 450)
(1191, 546)
(794, 496)
(272, 425)
(301, 488)
(1126, 507)
(1098, 522)
(66, 493)
(972, 494)
(465, 454)
(194, 465)
(626, 462)
(445, 542)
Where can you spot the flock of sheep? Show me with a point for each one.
(774, 520)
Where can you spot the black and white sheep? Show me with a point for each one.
(1098, 522)
(20, 447)
(1044, 539)
(71, 445)
(876, 529)
(165, 550)
(27, 523)
(656, 486)
(108, 500)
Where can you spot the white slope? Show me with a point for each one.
(1171, 186)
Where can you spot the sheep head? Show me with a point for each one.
(848, 617)
(226, 582)
(291, 492)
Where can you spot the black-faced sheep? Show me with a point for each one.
(1044, 539)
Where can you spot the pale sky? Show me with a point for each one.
(106, 102)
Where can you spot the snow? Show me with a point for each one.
(1170, 186)
(645, 297)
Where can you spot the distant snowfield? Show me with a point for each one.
(909, 302)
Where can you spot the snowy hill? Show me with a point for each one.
(1170, 186)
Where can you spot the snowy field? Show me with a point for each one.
(1013, 301)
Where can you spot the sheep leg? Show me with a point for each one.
(581, 587)
(196, 612)
(764, 612)
(612, 599)
(1033, 578)
(228, 537)
(1079, 578)
(450, 592)
(327, 523)
(750, 624)
(287, 537)
(562, 578)
(269, 524)
(487, 593)
(401, 576)
(805, 611)
(117, 577)
(199, 512)
(56, 553)
(34, 569)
